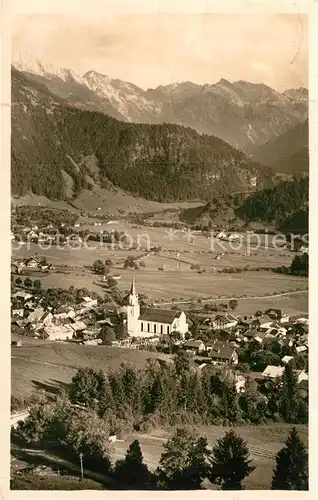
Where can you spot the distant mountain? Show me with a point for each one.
(288, 153)
(243, 114)
(59, 150)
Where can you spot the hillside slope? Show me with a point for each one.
(243, 114)
(58, 150)
(284, 207)
(288, 153)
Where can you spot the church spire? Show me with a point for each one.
(133, 297)
(133, 287)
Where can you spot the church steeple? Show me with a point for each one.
(133, 297)
(133, 310)
(133, 287)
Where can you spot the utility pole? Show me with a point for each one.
(81, 459)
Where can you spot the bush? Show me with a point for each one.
(28, 282)
(37, 284)
(99, 267)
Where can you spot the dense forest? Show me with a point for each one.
(284, 206)
(288, 152)
(160, 162)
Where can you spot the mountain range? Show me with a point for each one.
(241, 113)
(60, 148)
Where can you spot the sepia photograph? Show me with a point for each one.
(159, 249)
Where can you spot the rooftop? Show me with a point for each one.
(159, 315)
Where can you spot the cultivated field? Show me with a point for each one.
(46, 365)
(264, 442)
(175, 279)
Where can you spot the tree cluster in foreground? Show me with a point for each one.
(186, 463)
(177, 393)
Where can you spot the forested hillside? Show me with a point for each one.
(52, 141)
(284, 206)
(288, 153)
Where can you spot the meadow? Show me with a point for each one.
(170, 268)
(47, 366)
(264, 442)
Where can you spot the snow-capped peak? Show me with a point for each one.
(31, 64)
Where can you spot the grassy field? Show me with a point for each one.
(264, 442)
(111, 202)
(177, 280)
(44, 365)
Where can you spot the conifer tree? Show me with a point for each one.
(230, 463)
(291, 471)
(132, 471)
(289, 396)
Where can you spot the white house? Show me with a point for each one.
(287, 359)
(302, 375)
(151, 321)
(265, 322)
(273, 371)
(63, 332)
(224, 321)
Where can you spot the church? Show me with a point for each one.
(149, 322)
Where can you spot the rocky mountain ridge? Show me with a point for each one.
(59, 150)
(241, 113)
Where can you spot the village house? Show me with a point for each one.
(32, 263)
(194, 346)
(222, 322)
(262, 335)
(221, 353)
(148, 322)
(36, 315)
(287, 359)
(273, 372)
(18, 313)
(62, 332)
(248, 323)
(265, 322)
(78, 326)
(303, 388)
(89, 302)
(302, 376)
(301, 348)
(22, 295)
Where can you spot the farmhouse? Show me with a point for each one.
(148, 321)
(63, 332)
(194, 346)
(222, 353)
(224, 321)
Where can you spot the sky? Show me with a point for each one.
(154, 48)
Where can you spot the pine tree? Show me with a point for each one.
(132, 471)
(182, 362)
(230, 462)
(289, 396)
(105, 397)
(132, 388)
(291, 471)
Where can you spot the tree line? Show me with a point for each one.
(185, 463)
